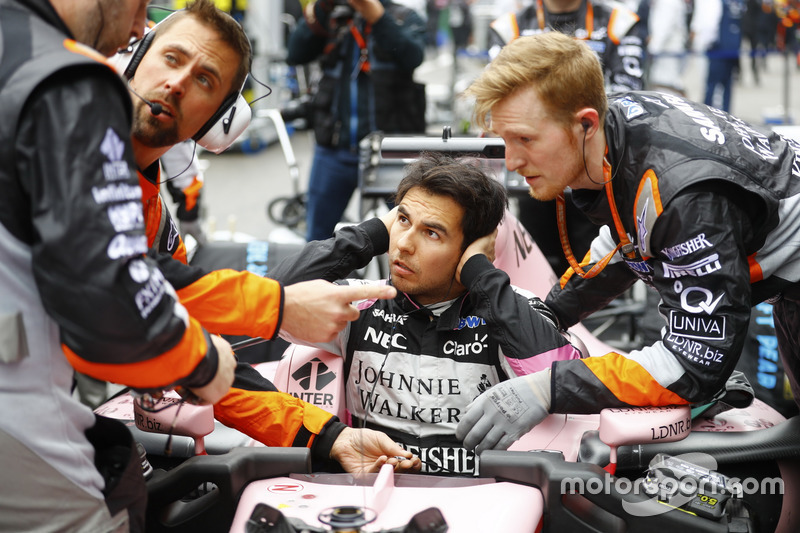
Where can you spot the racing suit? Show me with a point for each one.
(710, 206)
(609, 28)
(411, 370)
(76, 291)
(238, 303)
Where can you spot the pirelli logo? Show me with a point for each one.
(703, 267)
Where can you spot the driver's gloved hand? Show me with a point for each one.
(501, 415)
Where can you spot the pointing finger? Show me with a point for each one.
(368, 292)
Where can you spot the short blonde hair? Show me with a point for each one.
(565, 72)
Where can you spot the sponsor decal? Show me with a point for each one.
(598, 46)
(697, 299)
(639, 266)
(694, 351)
(173, 237)
(118, 192)
(149, 296)
(437, 459)
(373, 402)
(116, 170)
(754, 141)
(391, 318)
(709, 129)
(452, 347)
(703, 267)
(795, 146)
(641, 224)
(112, 146)
(384, 340)
(470, 322)
(632, 109)
(698, 242)
(126, 217)
(138, 271)
(314, 376)
(124, 246)
(655, 101)
(281, 488)
(697, 327)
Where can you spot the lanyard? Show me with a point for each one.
(589, 25)
(624, 243)
(363, 61)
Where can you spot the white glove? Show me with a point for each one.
(195, 229)
(501, 415)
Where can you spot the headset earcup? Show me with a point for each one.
(220, 132)
(137, 54)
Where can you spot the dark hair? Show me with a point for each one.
(228, 28)
(481, 195)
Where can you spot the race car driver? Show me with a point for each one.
(457, 326)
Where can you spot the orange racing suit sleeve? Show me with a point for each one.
(230, 302)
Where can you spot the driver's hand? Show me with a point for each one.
(501, 415)
(483, 245)
(363, 451)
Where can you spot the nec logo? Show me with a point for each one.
(384, 340)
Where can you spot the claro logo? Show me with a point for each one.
(475, 347)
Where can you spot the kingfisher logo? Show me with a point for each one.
(312, 378)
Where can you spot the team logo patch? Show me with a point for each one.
(632, 109)
(112, 146)
(697, 300)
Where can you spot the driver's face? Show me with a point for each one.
(425, 246)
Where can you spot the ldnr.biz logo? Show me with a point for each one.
(313, 377)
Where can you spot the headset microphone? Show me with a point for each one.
(155, 107)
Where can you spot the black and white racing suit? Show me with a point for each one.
(609, 28)
(711, 205)
(411, 370)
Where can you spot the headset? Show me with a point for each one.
(226, 124)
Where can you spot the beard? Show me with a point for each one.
(150, 132)
(571, 169)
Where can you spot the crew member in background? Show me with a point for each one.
(614, 32)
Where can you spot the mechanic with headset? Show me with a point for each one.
(457, 325)
(77, 291)
(614, 32)
(175, 68)
(695, 202)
